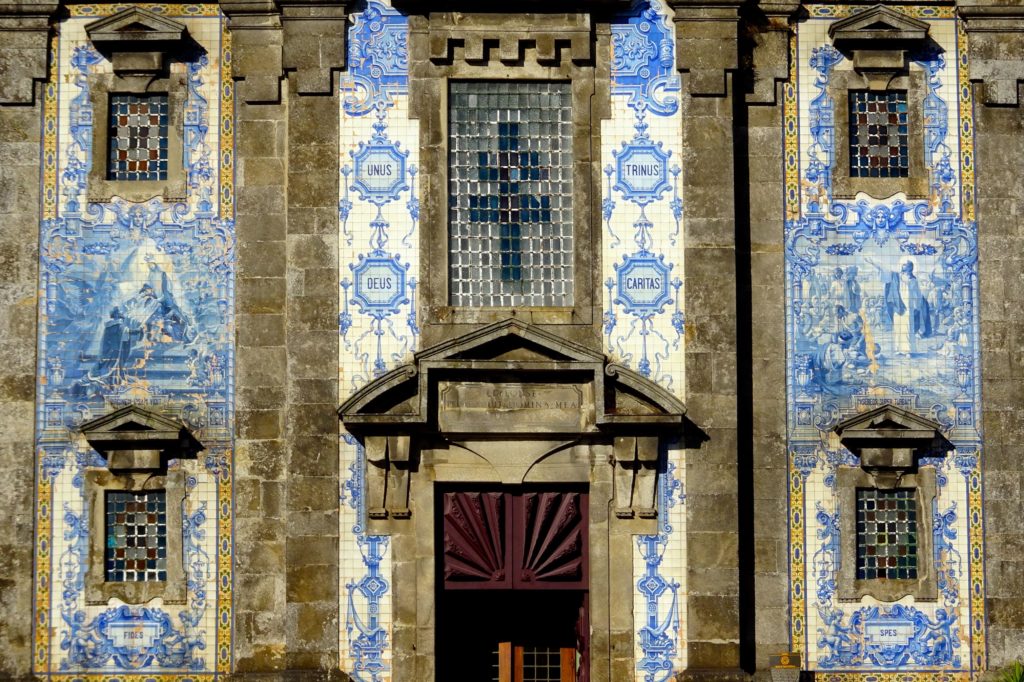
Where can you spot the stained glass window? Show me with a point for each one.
(136, 535)
(879, 134)
(510, 194)
(886, 534)
(138, 137)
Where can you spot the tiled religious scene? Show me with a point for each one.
(136, 308)
(883, 309)
(589, 341)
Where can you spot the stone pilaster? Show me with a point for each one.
(20, 131)
(706, 52)
(996, 43)
(760, 201)
(260, 469)
(311, 387)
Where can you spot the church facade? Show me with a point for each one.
(416, 340)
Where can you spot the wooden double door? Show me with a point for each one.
(513, 585)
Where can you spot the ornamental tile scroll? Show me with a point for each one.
(379, 215)
(644, 321)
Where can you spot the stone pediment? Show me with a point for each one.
(891, 437)
(510, 377)
(887, 421)
(133, 428)
(135, 25)
(878, 23)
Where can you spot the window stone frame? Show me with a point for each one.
(447, 46)
(142, 47)
(98, 590)
(101, 87)
(144, 451)
(849, 587)
(916, 184)
(889, 441)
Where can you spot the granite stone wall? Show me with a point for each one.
(20, 128)
(729, 97)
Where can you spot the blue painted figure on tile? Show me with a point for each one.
(906, 309)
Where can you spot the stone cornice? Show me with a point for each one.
(272, 37)
(24, 30)
(707, 43)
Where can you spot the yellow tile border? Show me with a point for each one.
(43, 643)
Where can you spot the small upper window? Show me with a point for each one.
(137, 141)
(886, 534)
(510, 194)
(879, 125)
(136, 536)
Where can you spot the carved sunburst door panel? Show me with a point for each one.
(476, 540)
(519, 540)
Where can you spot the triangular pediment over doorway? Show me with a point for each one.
(511, 377)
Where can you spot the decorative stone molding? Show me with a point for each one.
(512, 381)
(636, 460)
(24, 31)
(459, 30)
(996, 41)
(507, 37)
(707, 43)
(314, 42)
(387, 476)
(771, 24)
(276, 36)
(880, 41)
(257, 61)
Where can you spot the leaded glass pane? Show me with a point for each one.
(879, 134)
(886, 534)
(510, 193)
(136, 536)
(138, 137)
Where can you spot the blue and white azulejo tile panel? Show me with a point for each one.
(378, 214)
(644, 323)
(136, 308)
(882, 309)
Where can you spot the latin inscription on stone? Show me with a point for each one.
(510, 407)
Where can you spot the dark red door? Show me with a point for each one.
(515, 540)
(513, 585)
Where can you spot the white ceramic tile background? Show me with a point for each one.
(624, 341)
(68, 500)
(366, 624)
(917, 376)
